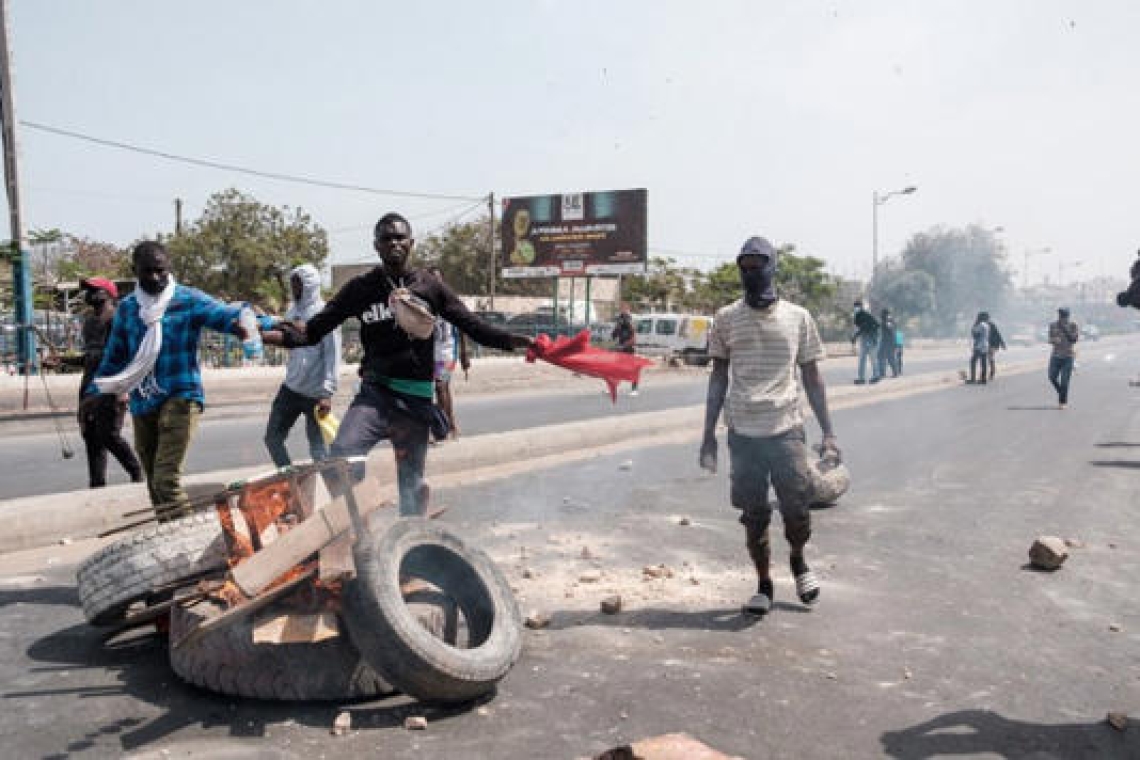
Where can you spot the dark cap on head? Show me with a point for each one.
(756, 246)
(1063, 311)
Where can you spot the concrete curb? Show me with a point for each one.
(43, 520)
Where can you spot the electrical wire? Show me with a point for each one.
(241, 169)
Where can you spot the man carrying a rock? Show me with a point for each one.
(757, 344)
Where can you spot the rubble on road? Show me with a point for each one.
(1048, 553)
(415, 723)
(342, 724)
(611, 605)
(537, 620)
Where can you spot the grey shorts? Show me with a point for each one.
(781, 460)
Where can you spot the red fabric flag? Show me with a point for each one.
(576, 354)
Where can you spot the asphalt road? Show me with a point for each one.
(932, 638)
(230, 436)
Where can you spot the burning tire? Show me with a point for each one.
(161, 556)
(229, 661)
(385, 629)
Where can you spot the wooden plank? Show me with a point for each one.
(234, 614)
(297, 628)
(259, 571)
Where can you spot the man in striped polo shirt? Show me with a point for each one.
(757, 344)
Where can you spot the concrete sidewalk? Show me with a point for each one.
(43, 520)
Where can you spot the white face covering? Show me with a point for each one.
(151, 311)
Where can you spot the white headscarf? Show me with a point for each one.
(151, 311)
(310, 301)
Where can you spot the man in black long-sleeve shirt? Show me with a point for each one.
(397, 371)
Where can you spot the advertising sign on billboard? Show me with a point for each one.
(575, 234)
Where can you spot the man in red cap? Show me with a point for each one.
(101, 422)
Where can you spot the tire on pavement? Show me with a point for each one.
(162, 555)
(390, 637)
(228, 661)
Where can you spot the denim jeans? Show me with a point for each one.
(868, 350)
(373, 417)
(1060, 371)
(162, 439)
(288, 405)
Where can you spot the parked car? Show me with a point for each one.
(674, 335)
(498, 318)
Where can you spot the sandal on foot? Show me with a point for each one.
(761, 601)
(807, 587)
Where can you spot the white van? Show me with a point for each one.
(685, 336)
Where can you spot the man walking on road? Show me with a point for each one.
(310, 375)
(625, 335)
(1063, 335)
(101, 421)
(997, 342)
(867, 336)
(152, 354)
(887, 357)
(757, 344)
(980, 339)
(397, 306)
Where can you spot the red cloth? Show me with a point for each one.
(576, 354)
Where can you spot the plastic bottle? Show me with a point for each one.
(251, 347)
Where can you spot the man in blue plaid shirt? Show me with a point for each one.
(152, 354)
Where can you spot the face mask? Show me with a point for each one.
(760, 285)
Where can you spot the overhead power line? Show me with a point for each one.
(242, 169)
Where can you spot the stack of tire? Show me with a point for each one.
(391, 638)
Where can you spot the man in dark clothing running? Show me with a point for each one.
(396, 390)
(625, 335)
(101, 422)
(997, 342)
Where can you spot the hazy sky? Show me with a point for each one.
(773, 118)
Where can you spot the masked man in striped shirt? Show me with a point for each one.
(757, 344)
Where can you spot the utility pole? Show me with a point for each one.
(21, 271)
(178, 216)
(491, 244)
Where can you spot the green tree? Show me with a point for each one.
(663, 286)
(967, 273)
(241, 249)
(800, 279)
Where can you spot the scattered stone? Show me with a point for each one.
(684, 521)
(1074, 543)
(586, 553)
(907, 674)
(832, 677)
(1111, 545)
(623, 715)
(656, 571)
(528, 573)
(1114, 627)
(611, 605)
(537, 620)
(342, 724)
(1048, 553)
(1117, 720)
(484, 711)
(65, 541)
(694, 581)
(626, 465)
(415, 723)
(590, 576)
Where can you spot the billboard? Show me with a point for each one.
(574, 234)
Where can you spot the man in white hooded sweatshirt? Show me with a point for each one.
(310, 375)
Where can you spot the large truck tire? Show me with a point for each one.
(384, 627)
(228, 661)
(132, 568)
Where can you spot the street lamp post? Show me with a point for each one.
(1025, 270)
(876, 201)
